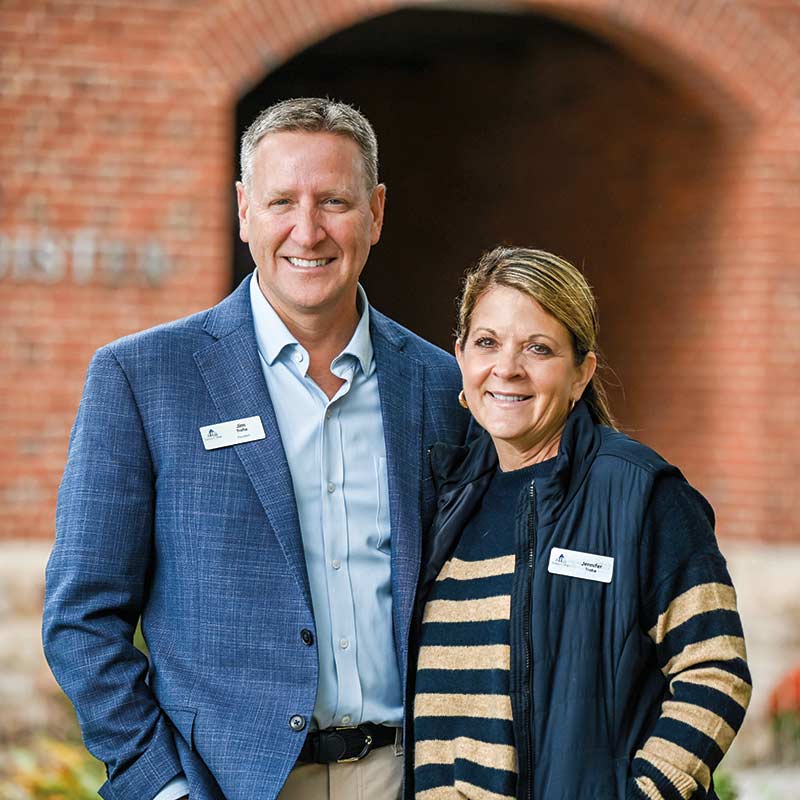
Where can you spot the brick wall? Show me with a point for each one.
(116, 135)
(112, 219)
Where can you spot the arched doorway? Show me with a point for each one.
(515, 128)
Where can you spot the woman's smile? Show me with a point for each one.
(505, 398)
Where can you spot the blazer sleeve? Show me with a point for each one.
(96, 583)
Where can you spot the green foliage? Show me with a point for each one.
(50, 770)
(47, 768)
(724, 786)
(786, 730)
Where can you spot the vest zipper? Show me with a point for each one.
(528, 633)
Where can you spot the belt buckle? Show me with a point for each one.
(367, 743)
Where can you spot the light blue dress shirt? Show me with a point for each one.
(337, 458)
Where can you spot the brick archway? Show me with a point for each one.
(739, 67)
(727, 55)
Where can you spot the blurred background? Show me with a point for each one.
(654, 143)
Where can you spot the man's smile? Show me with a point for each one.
(308, 262)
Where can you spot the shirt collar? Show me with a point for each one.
(272, 336)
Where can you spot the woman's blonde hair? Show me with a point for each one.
(559, 288)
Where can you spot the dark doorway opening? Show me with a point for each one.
(516, 129)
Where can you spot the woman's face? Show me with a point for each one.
(519, 373)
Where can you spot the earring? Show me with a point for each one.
(462, 400)
(571, 405)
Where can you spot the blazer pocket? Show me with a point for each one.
(182, 720)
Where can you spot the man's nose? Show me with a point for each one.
(308, 232)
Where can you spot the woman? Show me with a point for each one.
(576, 633)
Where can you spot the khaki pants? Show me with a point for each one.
(376, 777)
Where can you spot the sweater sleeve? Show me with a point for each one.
(689, 611)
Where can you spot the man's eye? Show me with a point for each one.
(334, 201)
(280, 201)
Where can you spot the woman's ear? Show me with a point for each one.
(586, 371)
(459, 354)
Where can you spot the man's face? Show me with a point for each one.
(310, 221)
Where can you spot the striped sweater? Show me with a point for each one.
(464, 738)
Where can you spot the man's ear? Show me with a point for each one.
(377, 203)
(244, 204)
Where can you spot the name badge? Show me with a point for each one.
(237, 431)
(575, 564)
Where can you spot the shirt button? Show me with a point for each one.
(298, 357)
(336, 564)
(344, 644)
(307, 636)
(297, 722)
(346, 719)
(328, 414)
(331, 488)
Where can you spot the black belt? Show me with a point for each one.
(345, 744)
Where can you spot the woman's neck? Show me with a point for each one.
(513, 457)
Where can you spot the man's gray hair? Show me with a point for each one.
(312, 115)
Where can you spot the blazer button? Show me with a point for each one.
(307, 636)
(297, 722)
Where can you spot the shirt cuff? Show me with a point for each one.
(176, 788)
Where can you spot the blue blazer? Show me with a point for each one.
(205, 546)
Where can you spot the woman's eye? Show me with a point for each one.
(540, 349)
(484, 341)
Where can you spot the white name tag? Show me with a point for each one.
(575, 564)
(224, 434)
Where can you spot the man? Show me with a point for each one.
(252, 482)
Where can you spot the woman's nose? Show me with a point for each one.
(507, 364)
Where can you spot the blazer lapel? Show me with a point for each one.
(400, 383)
(232, 373)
